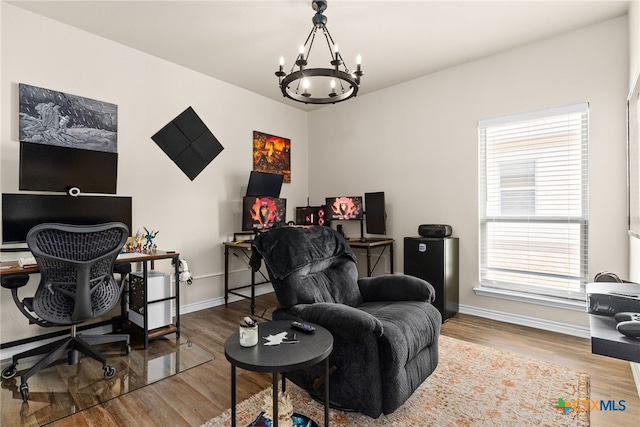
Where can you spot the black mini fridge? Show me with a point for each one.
(436, 261)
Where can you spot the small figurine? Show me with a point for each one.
(149, 245)
(285, 409)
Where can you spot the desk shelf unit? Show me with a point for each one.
(148, 260)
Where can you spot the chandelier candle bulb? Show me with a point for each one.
(333, 88)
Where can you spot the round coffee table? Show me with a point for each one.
(280, 359)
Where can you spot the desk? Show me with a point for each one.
(312, 349)
(13, 267)
(240, 248)
(382, 243)
(605, 339)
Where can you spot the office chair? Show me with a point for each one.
(76, 285)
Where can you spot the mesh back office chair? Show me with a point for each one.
(76, 285)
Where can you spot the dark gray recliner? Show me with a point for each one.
(385, 328)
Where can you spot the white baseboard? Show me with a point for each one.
(533, 322)
(190, 308)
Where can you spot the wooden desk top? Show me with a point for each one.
(371, 241)
(13, 267)
(238, 244)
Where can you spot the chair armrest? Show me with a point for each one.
(396, 287)
(343, 321)
(14, 281)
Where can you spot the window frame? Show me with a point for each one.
(486, 216)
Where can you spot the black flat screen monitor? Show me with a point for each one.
(263, 213)
(21, 212)
(375, 213)
(310, 215)
(344, 208)
(51, 168)
(264, 184)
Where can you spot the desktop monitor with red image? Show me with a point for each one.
(263, 213)
(344, 208)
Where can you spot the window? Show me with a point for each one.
(534, 202)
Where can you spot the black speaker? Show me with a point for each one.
(434, 230)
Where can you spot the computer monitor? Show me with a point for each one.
(343, 208)
(375, 213)
(52, 168)
(21, 212)
(262, 213)
(310, 215)
(264, 184)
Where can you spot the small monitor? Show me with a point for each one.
(264, 184)
(375, 213)
(262, 213)
(310, 215)
(344, 208)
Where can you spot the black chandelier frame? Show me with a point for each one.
(292, 85)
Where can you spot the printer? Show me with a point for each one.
(609, 298)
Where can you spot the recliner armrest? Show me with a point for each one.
(396, 287)
(341, 320)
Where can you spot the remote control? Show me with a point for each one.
(307, 329)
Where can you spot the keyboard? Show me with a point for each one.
(130, 255)
(25, 261)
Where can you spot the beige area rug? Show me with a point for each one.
(473, 385)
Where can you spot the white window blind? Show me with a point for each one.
(534, 202)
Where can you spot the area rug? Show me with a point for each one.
(473, 385)
(61, 389)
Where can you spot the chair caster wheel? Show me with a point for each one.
(127, 349)
(109, 371)
(24, 391)
(9, 372)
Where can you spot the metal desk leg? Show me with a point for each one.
(368, 261)
(233, 395)
(326, 392)
(226, 275)
(177, 293)
(253, 291)
(274, 421)
(145, 304)
(391, 256)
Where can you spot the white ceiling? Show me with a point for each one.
(240, 42)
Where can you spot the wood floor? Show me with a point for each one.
(193, 397)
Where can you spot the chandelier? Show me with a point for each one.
(319, 85)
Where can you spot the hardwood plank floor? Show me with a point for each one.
(193, 397)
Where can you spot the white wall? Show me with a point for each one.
(634, 72)
(417, 141)
(193, 217)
